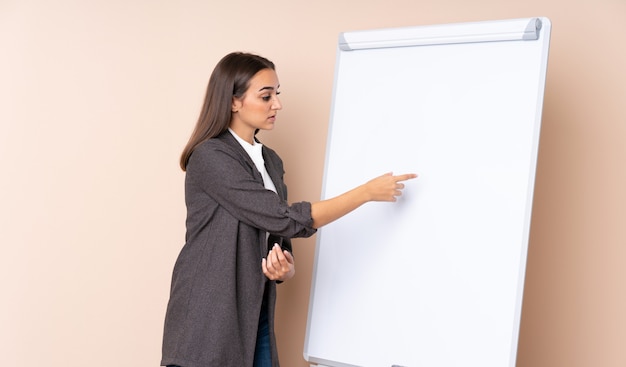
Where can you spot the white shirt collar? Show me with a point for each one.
(255, 151)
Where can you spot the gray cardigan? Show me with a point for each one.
(217, 284)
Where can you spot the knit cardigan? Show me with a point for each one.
(218, 284)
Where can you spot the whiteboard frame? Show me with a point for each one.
(527, 29)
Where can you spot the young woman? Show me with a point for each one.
(239, 224)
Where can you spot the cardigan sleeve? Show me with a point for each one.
(222, 174)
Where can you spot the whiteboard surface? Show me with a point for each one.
(435, 279)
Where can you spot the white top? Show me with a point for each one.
(255, 152)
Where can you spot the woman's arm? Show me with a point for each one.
(279, 264)
(382, 188)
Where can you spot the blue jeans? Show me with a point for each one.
(262, 353)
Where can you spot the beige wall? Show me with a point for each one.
(97, 99)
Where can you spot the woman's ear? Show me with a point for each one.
(235, 105)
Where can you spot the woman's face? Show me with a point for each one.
(257, 108)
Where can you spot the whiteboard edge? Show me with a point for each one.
(438, 34)
(546, 29)
(305, 352)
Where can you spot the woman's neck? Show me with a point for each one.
(243, 133)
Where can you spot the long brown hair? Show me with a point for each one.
(230, 78)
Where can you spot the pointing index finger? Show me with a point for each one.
(406, 176)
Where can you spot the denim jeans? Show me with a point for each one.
(262, 353)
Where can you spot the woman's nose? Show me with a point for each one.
(277, 105)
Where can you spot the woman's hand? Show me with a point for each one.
(278, 265)
(387, 186)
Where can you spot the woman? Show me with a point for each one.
(239, 224)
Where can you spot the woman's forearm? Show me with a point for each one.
(327, 211)
(382, 188)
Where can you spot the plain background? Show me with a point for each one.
(98, 98)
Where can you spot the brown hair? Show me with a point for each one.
(230, 78)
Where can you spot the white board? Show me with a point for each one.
(435, 279)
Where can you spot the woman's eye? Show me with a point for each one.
(266, 98)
